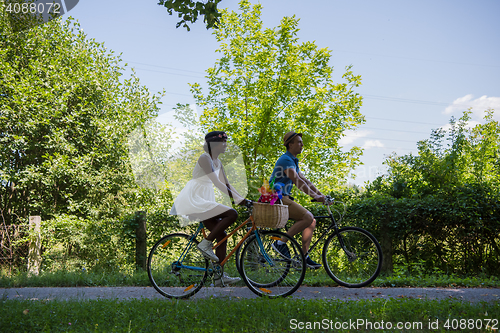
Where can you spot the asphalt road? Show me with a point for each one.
(339, 293)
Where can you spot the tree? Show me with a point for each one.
(265, 84)
(26, 14)
(441, 207)
(65, 114)
(189, 10)
(471, 157)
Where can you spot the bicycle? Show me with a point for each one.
(352, 256)
(177, 269)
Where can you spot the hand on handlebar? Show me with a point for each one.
(247, 203)
(325, 199)
(319, 198)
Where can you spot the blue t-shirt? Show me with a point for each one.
(286, 161)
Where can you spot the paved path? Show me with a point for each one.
(340, 293)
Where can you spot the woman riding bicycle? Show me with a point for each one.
(197, 199)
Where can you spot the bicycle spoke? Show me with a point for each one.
(355, 263)
(176, 268)
(266, 271)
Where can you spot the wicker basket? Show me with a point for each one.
(270, 216)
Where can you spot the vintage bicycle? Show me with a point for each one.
(177, 269)
(351, 256)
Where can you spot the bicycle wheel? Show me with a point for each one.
(266, 271)
(237, 254)
(176, 268)
(358, 263)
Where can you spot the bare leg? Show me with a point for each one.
(221, 250)
(307, 235)
(217, 226)
(306, 225)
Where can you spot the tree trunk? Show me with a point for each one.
(386, 245)
(35, 246)
(140, 241)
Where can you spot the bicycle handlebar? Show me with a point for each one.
(328, 199)
(248, 203)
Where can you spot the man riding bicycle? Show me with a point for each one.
(287, 171)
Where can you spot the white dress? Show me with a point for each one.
(198, 196)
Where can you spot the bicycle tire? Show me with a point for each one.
(277, 276)
(361, 265)
(170, 279)
(237, 254)
(256, 257)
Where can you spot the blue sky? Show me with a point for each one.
(421, 62)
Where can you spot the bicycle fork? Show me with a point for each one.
(262, 250)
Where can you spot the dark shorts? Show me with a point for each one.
(295, 211)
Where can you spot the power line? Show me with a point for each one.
(175, 69)
(418, 59)
(368, 137)
(404, 100)
(170, 92)
(393, 148)
(367, 96)
(392, 130)
(405, 121)
(156, 71)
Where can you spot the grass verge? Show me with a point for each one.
(255, 315)
(316, 278)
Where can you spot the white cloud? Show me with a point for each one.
(351, 136)
(478, 105)
(372, 144)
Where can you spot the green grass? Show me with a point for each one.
(316, 278)
(224, 315)
(234, 315)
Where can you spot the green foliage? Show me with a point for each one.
(71, 243)
(188, 11)
(442, 206)
(471, 157)
(455, 233)
(64, 120)
(265, 84)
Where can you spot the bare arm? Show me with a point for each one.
(303, 184)
(219, 181)
(237, 197)
(311, 186)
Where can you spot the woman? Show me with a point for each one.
(197, 199)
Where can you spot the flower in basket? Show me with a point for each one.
(265, 191)
(277, 192)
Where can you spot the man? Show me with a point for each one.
(287, 171)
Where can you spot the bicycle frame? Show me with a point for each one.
(253, 229)
(333, 226)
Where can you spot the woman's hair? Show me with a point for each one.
(214, 136)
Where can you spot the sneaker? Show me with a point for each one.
(205, 247)
(311, 264)
(281, 249)
(225, 279)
